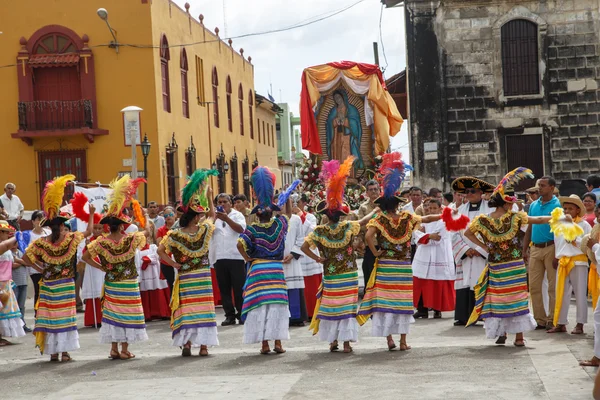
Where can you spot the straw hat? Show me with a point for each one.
(5, 227)
(573, 199)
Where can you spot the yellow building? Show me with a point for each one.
(66, 80)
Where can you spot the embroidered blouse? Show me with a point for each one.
(57, 259)
(502, 236)
(394, 237)
(190, 249)
(118, 258)
(334, 243)
(266, 241)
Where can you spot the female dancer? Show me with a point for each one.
(334, 317)
(501, 296)
(265, 309)
(55, 256)
(11, 324)
(193, 319)
(122, 313)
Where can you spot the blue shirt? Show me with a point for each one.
(596, 191)
(540, 233)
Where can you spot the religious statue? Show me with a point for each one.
(344, 130)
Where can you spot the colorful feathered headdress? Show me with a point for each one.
(263, 185)
(393, 170)
(123, 190)
(193, 194)
(283, 197)
(52, 199)
(509, 182)
(78, 203)
(334, 176)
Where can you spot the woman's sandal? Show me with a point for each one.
(4, 342)
(577, 331)
(203, 351)
(404, 347)
(114, 355)
(334, 346)
(347, 349)
(54, 358)
(519, 342)
(501, 339)
(66, 357)
(186, 351)
(265, 350)
(278, 349)
(126, 355)
(557, 329)
(594, 362)
(391, 345)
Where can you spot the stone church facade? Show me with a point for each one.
(496, 84)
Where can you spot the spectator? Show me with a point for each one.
(448, 199)
(373, 192)
(227, 260)
(435, 193)
(36, 233)
(12, 205)
(167, 271)
(19, 277)
(157, 220)
(532, 195)
(589, 202)
(241, 204)
(416, 198)
(593, 185)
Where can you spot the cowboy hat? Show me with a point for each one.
(469, 182)
(573, 199)
(5, 227)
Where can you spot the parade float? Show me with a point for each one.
(345, 109)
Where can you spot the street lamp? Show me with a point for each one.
(214, 165)
(103, 14)
(132, 129)
(226, 167)
(145, 152)
(246, 177)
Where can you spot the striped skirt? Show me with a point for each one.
(122, 313)
(390, 289)
(56, 320)
(338, 297)
(265, 284)
(501, 292)
(193, 307)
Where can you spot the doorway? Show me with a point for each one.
(525, 151)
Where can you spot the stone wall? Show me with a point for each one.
(567, 111)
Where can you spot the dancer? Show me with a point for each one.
(265, 307)
(311, 269)
(193, 319)
(122, 313)
(11, 324)
(55, 257)
(590, 245)
(334, 317)
(501, 296)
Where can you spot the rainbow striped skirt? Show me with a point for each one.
(501, 291)
(122, 305)
(338, 297)
(265, 284)
(192, 304)
(56, 307)
(392, 289)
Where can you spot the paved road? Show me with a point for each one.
(446, 362)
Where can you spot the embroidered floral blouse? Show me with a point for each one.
(118, 258)
(190, 249)
(57, 259)
(394, 236)
(266, 241)
(335, 245)
(502, 236)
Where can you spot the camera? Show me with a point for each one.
(220, 209)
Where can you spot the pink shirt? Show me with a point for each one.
(6, 262)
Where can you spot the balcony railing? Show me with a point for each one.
(44, 115)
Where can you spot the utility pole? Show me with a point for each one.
(376, 53)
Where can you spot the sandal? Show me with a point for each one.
(265, 350)
(114, 355)
(577, 331)
(519, 342)
(501, 339)
(186, 351)
(334, 346)
(4, 342)
(126, 355)
(54, 358)
(557, 329)
(66, 357)
(391, 345)
(404, 346)
(347, 348)
(203, 351)
(279, 350)
(594, 362)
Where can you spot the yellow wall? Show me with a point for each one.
(131, 77)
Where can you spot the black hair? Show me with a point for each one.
(590, 195)
(55, 235)
(114, 226)
(187, 217)
(593, 181)
(264, 216)
(333, 216)
(436, 201)
(304, 198)
(37, 214)
(240, 196)
(371, 182)
(227, 196)
(550, 180)
(496, 201)
(389, 204)
(434, 191)
(404, 192)
(449, 197)
(415, 188)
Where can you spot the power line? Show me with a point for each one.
(381, 39)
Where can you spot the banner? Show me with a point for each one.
(97, 196)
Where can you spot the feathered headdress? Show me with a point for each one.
(283, 197)
(263, 184)
(560, 226)
(509, 181)
(78, 203)
(52, 199)
(393, 170)
(334, 176)
(193, 194)
(138, 213)
(123, 190)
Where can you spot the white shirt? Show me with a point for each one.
(568, 249)
(409, 207)
(158, 221)
(223, 245)
(12, 206)
(32, 238)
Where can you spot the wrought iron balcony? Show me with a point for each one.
(42, 115)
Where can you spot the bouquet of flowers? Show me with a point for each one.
(309, 174)
(355, 195)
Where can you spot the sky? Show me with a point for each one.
(279, 58)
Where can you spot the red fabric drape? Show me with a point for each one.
(368, 69)
(308, 122)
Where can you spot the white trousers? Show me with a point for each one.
(597, 330)
(576, 282)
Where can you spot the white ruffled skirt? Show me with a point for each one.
(110, 334)
(268, 322)
(12, 327)
(385, 324)
(344, 330)
(61, 342)
(495, 327)
(206, 336)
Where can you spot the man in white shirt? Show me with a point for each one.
(228, 262)
(157, 220)
(12, 205)
(416, 199)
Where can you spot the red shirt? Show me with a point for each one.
(590, 218)
(160, 232)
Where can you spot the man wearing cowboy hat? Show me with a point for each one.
(469, 262)
(572, 269)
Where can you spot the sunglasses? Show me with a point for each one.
(471, 191)
(169, 215)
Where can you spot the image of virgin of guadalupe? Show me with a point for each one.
(344, 131)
